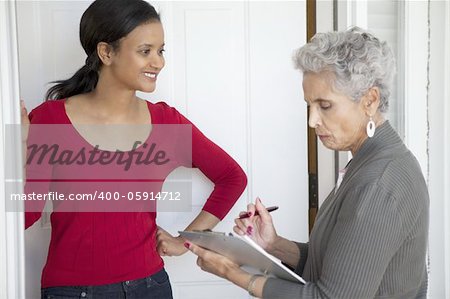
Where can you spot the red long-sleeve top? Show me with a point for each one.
(95, 248)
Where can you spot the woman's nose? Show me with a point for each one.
(314, 119)
(157, 61)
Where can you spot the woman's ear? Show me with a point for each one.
(371, 101)
(105, 51)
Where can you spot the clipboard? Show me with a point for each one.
(243, 251)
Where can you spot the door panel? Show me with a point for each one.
(229, 70)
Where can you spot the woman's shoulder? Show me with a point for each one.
(165, 114)
(390, 169)
(48, 112)
(398, 179)
(404, 174)
(162, 107)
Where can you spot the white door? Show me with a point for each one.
(229, 70)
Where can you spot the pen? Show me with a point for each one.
(269, 209)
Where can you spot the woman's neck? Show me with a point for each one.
(110, 98)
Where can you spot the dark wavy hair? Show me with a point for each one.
(104, 21)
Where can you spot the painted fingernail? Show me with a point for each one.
(187, 245)
(249, 230)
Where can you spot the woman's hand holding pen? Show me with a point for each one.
(259, 227)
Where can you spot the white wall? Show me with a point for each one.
(383, 19)
(439, 149)
(415, 56)
(425, 29)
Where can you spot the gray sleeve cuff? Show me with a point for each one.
(281, 289)
(303, 247)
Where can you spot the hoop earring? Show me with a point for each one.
(370, 128)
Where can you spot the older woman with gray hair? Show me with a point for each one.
(370, 235)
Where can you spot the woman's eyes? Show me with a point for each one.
(147, 52)
(325, 105)
(322, 104)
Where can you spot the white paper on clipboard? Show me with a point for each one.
(243, 251)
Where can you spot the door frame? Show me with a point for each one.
(12, 277)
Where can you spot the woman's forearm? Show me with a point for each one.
(174, 246)
(243, 279)
(204, 220)
(285, 250)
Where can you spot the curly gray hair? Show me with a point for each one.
(357, 59)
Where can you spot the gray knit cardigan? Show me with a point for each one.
(370, 235)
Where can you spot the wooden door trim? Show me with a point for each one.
(313, 184)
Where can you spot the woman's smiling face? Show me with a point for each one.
(139, 59)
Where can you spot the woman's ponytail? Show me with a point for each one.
(83, 81)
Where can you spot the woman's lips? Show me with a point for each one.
(323, 137)
(151, 76)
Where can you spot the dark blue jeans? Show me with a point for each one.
(156, 286)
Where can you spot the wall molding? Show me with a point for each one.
(351, 13)
(415, 79)
(427, 127)
(12, 277)
(439, 149)
(447, 144)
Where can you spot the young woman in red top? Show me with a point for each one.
(117, 254)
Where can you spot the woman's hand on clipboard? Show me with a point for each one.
(258, 227)
(212, 262)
